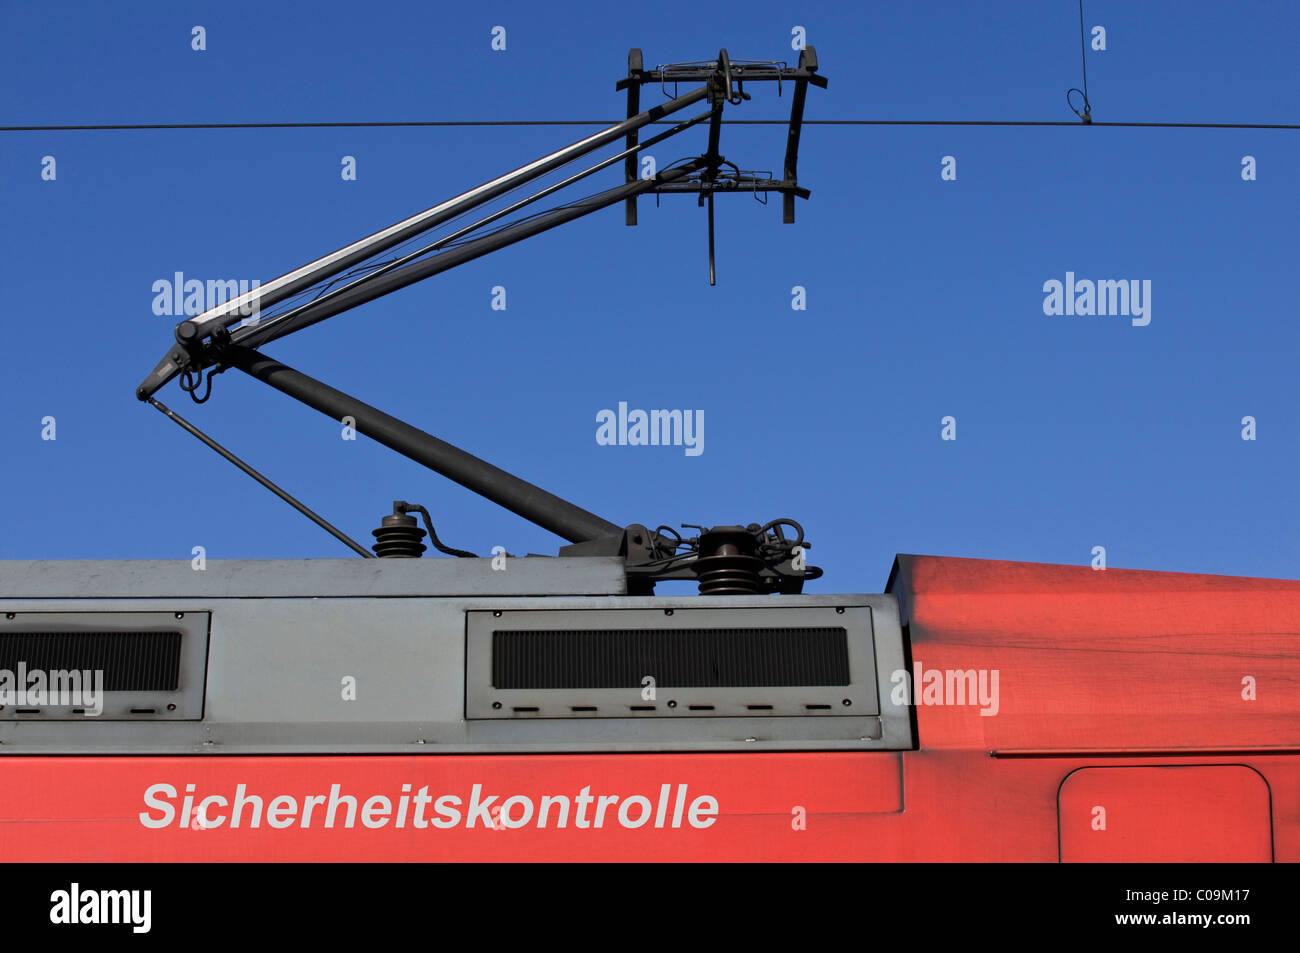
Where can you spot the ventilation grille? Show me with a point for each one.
(678, 658)
(130, 661)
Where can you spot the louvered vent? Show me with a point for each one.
(130, 661)
(677, 657)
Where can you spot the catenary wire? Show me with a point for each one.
(452, 123)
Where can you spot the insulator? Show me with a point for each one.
(728, 575)
(398, 537)
(727, 565)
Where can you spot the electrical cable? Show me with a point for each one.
(663, 122)
(1086, 115)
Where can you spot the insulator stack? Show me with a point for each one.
(727, 564)
(399, 537)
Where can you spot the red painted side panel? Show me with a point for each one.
(958, 806)
(1169, 814)
(69, 809)
(1106, 660)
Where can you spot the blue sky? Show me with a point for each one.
(924, 297)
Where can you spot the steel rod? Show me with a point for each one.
(487, 220)
(234, 310)
(505, 489)
(300, 507)
(259, 334)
